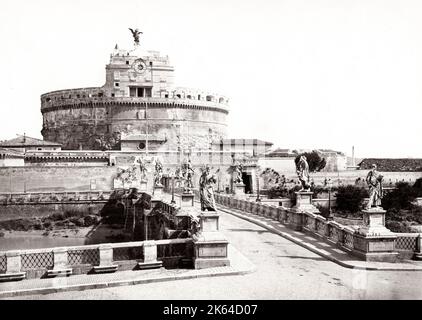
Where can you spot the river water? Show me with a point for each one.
(37, 242)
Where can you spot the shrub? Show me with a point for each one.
(323, 211)
(400, 198)
(350, 198)
(57, 216)
(417, 187)
(277, 192)
(315, 161)
(397, 226)
(292, 194)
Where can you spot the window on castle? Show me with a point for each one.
(116, 84)
(139, 92)
(141, 146)
(112, 95)
(127, 62)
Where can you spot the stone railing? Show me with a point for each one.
(169, 208)
(92, 258)
(344, 237)
(54, 197)
(57, 103)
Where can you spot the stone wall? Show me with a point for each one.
(34, 179)
(350, 176)
(38, 210)
(77, 122)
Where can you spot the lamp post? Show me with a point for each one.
(172, 188)
(258, 199)
(219, 180)
(330, 213)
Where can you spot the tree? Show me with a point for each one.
(350, 198)
(417, 187)
(315, 161)
(271, 178)
(400, 198)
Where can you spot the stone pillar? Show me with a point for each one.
(150, 251)
(187, 200)
(303, 204)
(60, 263)
(373, 241)
(239, 190)
(210, 245)
(13, 267)
(418, 253)
(106, 255)
(13, 262)
(143, 186)
(106, 260)
(60, 258)
(158, 193)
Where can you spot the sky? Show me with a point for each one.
(308, 74)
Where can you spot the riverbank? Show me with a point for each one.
(77, 236)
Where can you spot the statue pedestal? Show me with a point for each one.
(303, 204)
(239, 191)
(373, 241)
(374, 222)
(143, 186)
(158, 192)
(210, 245)
(187, 199)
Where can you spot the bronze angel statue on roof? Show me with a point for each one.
(135, 34)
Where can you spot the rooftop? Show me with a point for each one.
(390, 164)
(11, 153)
(281, 153)
(241, 141)
(25, 141)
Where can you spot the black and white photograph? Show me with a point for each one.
(232, 151)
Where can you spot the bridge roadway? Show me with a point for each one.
(284, 270)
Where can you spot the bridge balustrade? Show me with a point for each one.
(336, 234)
(81, 259)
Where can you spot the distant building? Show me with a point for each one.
(25, 143)
(335, 160)
(255, 147)
(11, 158)
(283, 160)
(282, 153)
(392, 165)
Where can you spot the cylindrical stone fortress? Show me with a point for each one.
(137, 108)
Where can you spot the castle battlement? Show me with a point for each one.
(138, 96)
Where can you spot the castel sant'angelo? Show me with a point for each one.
(89, 134)
(138, 105)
